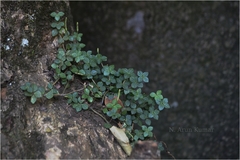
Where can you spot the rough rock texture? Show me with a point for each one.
(50, 128)
(145, 150)
(191, 51)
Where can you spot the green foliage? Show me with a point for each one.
(147, 131)
(160, 101)
(112, 108)
(100, 81)
(57, 16)
(160, 146)
(76, 102)
(35, 92)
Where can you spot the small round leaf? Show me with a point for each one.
(49, 95)
(33, 99)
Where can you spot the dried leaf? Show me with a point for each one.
(122, 139)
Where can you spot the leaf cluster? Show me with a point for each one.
(101, 80)
(36, 92)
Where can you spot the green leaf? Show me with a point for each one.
(133, 105)
(49, 95)
(159, 92)
(79, 37)
(38, 94)
(107, 70)
(59, 25)
(57, 61)
(136, 137)
(79, 58)
(57, 16)
(62, 75)
(71, 38)
(150, 115)
(128, 120)
(86, 66)
(98, 95)
(28, 94)
(144, 128)
(82, 45)
(90, 99)
(150, 128)
(126, 91)
(35, 87)
(55, 91)
(24, 87)
(33, 99)
(117, 115)
(62, 30)
(53, 14)
(60, 40)
(81, 72)
(142, 116)
(86, 91)
(160, 146)
(145, 134)
(134, 85)
(80, 101)
(105, 110)
(65, 38)
(69, 77)
(148, 121)
(60, 14)
(142, 76)
(63, 67)
(78, 107)
(145, 79)
(152, 94)
(160, 107)
(70, 59)
(58, 71)
(30, 89)
(133, 111)
(53, 25)
(84, 106)
(54, 32)
(74, 69)
(54, 66)
(139, 110)
(165, 102)
(93, 72)
(75, 99)
(68, 63)
(112, 112)
(150, 134)
(75, 94)
(127, 103)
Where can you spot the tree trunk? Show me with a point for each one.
(48, 129)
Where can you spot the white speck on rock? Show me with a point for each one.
(6, 47)
(24, 42)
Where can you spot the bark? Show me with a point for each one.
(49, 128)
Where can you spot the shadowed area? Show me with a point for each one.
(191, 51)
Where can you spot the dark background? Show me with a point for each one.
(191, 51)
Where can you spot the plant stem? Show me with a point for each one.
(69, 92)
(99, 115)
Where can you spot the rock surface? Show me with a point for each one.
(49, 129)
